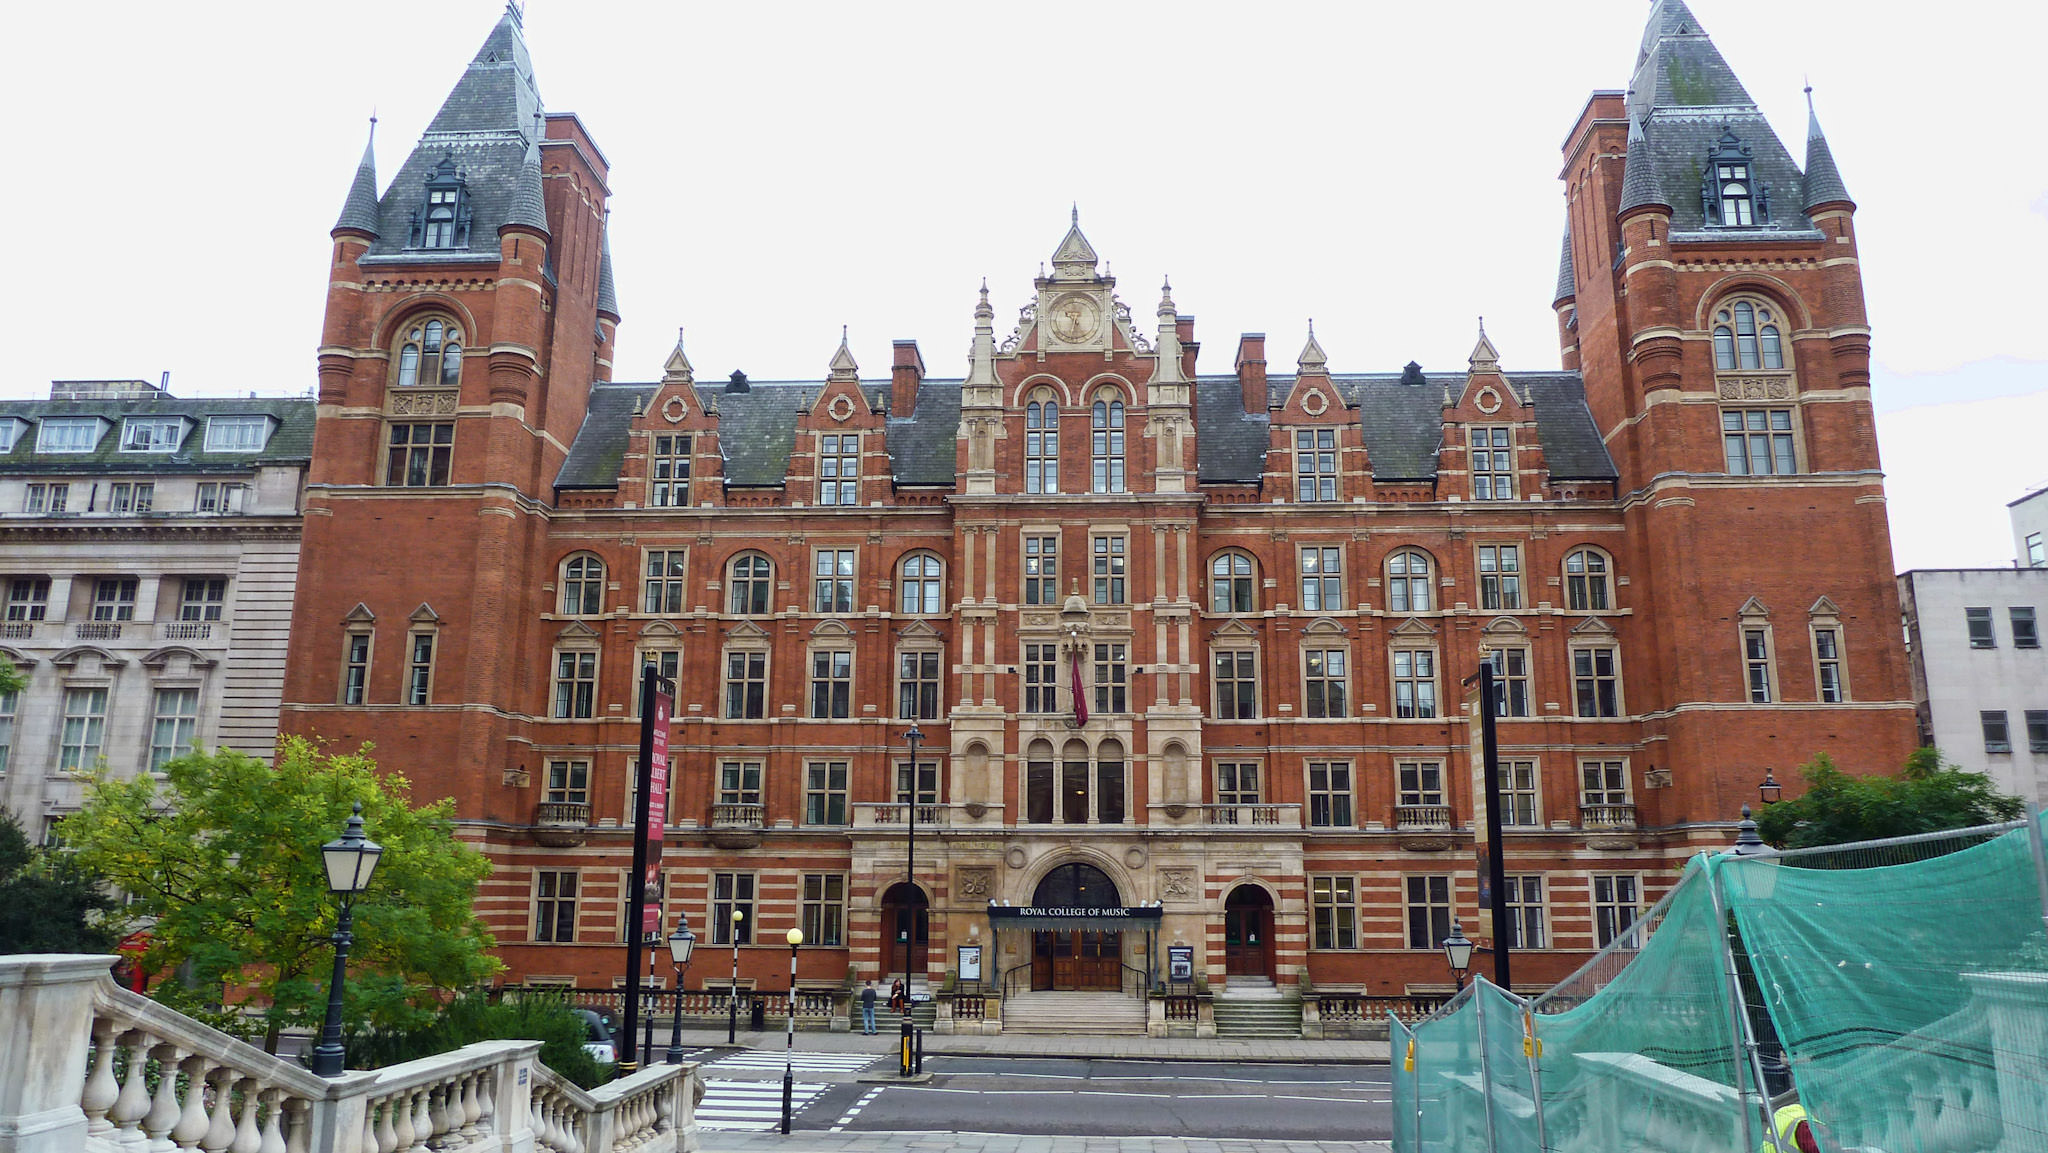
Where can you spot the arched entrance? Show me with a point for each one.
(906, 929)
(1248, 932)
(1076, 958)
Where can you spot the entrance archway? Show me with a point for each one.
(1076, 958)
(1248, 932)
(906, 929)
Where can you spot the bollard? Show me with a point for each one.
(920, 1052)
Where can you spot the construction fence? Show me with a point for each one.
(1895, 990)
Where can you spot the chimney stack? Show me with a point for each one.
(1251, 371)
(904, 377)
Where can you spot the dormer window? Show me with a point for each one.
(152, 433)
(10, 432)
(236, 433)
(442, 219)
(1730, 195)
(68, 434)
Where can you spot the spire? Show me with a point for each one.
(678, 369)
(607, 296)
(359, 211)
(1075, 258)
(1312, 358)
(1484, 358)
(529, 204)
(1823, 180)
(981, 358)
(1640, 184)
(1679, 67)
(843, 367)
(1567, 279)
(497, 92)
(1166, 368)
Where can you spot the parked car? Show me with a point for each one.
(598, 1037)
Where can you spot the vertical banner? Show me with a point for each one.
(1476, 731)
(650, 784)
(654, 810)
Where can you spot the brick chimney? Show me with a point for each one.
(1251, 371)
(904, 377)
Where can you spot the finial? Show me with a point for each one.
(984, 286)
(1166, 284)
(1075, 218)
(1482, 326)
(679, 336)
(1311, 327)
(373, 121)
(1809, 93)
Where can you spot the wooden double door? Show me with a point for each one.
(1248, 933)
(1077, 959)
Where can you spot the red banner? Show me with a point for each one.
(1080, 690)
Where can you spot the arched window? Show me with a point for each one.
(1042, 444)
(1408, 582)
(430, 355)
(748, 583)
(1232, 581)
(582, 585)
(1746, 337)
(922, 589)
(1585, 581)
(1108, 429)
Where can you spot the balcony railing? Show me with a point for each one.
(561, 824)
(1253, 816)
(1422, 818)
(1609, 826)
(97, 630)
(17, 630)
(887, 813)
(185, 630)
(735, 816)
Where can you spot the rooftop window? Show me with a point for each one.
(152, 433)
(442, 219)
(68, 434)
(236, 433)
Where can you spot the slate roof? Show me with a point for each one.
(360, 209)
(529, 204)
(291, 438)
(1642, 184)
(1567, 280)
(1402, 426)
(1823, 180)
(607, 296)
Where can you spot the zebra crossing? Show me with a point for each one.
(755, 1106)
(801, 1062)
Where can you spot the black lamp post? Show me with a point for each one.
(915, 736)
(1770, 791)
(681, 944)
(350, 861)
(732, 999)
(1458, 951)
(1747, 843)
(795, 937)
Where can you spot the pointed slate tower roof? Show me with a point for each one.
(529, 201)
(1567, 278)
(1075, 258)
(359, 211)
(497, 92)
(607, 296)
(1641, 184)
(1823, 180)
(1679, 67)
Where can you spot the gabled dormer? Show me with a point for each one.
(442, 218)
(1490, 434)
(840, 437)
(1732, 193)
(1314, 448)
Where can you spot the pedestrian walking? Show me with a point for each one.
(867, 1008)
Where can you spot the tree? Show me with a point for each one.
(12, 680)
(1926, 796)
(224, 858)
(48, 904)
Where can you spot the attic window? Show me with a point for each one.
(1730, 195)
(68, 434)
(443, 217)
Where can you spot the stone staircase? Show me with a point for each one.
(1093, 1014)
(1254, 1007)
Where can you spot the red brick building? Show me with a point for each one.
(1270, 580)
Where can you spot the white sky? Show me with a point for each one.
(782, 169)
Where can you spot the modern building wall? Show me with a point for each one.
(1982, 689)
(2030, 529)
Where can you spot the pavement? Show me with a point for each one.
(872, 1142)
(1249, 1050)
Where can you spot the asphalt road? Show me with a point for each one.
(1104, 1098)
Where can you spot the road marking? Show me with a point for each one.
(1212, 1080)
(846, 1118)
(800, 1062)
(1148, 1096)
(750, 1105)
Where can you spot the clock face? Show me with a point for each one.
(1075, 318)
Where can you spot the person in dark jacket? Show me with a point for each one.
(867, 1008)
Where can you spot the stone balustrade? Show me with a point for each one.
(87, 1065)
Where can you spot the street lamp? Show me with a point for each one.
(915, 736)
(681, 944)
(732, 995)
(1458, 951)
(1747, 843)
(1769, 790)
(350, 861)
(795, 937)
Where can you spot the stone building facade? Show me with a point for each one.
(1264, 587)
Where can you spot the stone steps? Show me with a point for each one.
(1259, 1014)
(1093, 1014)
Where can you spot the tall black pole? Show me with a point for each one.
(789, 1045)
(1496, 864)
(675, 1033)
(732, 994)
(650, 684)
(907, 910)
(329, 1056)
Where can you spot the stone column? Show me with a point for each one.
(45, 1034)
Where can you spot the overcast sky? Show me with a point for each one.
(779, 170)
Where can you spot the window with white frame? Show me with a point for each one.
(1500, 577)
(1322, 579)
(130, 497)
(1585, 581)
(920, 585)
(9, 702)
(750, 583)
(1414, 683)
(661, 582)
(1238, 783)
(1041, 569)
(668, 471)
(419, 667)
(1334, 901)
(1615, 907)
(113, 599)
(2026, 633)
(2037, 551)
(1109, 569)
(11, 428)
(554, 905)
(50, 498)
(1596, 681)
(1329, 795)
(739, 782)
(1315, 464)
(1756, 663)
(1603, 783)
(582, 585)
(28, 598)
(839, 468)
(569, 783)
(746, 685)
(1524, 897)
(2037, 731)
(1237, 685)
(831, 684)
(1429, 911)
(732, 893)
(1042, 445)
(1327, 674)
(237, 433)
(824, 909)
(1112, 678)
(832, 581)
(1518, 794)
(1041, 678)
(667, 662)
(1419, 784)
(174, 725)
(917, 684)
(1978, 622)
(825, 793)
(67, 434)
(1746, 337)
(217, 497)
(355, 667)
(1997, 735)
(1758, 441)
(1233, 583)
(1108, 444)
(1408, 582)
(576, 684)
(84, 729)
(1493, 463)
(1829, 683)
(152, 433)
(1510, 681)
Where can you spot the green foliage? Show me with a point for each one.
(224, 861)
(12, 680)
(1926, 796)
(477, 1016)
(48, 903)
